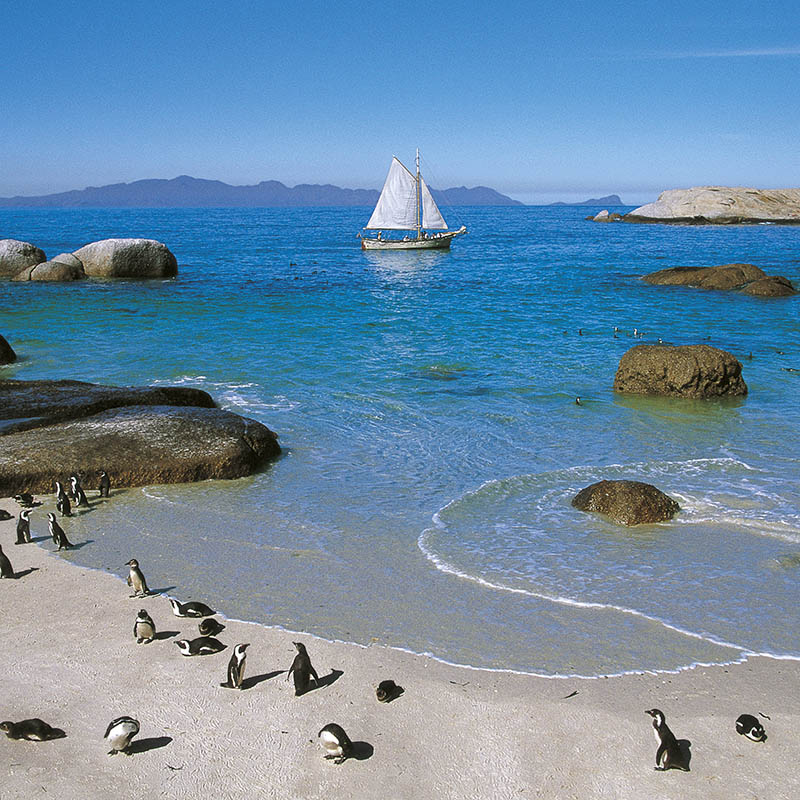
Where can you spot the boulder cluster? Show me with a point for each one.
(744, 278)
(109, 258)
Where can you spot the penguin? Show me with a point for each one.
(190, 609)
(202, 646)
(34, 730)
(136, 579)
(210, 627)
(747, 725)
(336, 742)
(24, 527)
(236, 667)
(6, 570)
(105, 484)
(302, 669)
(388, 691)
(57, 532)
(77, 492)
(144, 629)
(669, 754)
(119, 733)
(24, 499)
(62, 501)
(578, 401)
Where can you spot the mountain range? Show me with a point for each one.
(188, 192)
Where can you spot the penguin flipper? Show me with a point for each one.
(662, 749)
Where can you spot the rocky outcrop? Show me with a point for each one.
(604, 216)
(721, 205)
(7, 354)
(53, 271)
(127, 258)
(746, 278)
(136, 445)
(627, 502)
(16, 255)
(696, 371)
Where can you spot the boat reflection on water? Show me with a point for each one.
(403, 265)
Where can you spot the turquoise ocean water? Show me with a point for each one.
(426, 407)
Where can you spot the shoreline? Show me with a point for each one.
(70, 658)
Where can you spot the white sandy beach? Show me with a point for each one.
(69, 657)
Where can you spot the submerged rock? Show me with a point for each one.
(770, 286)
(746, 278)
(127, 258)
(7, 354)
(696, 371)
(721, 205)
(16, 256)
(627, 502)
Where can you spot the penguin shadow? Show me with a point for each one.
(162, 635)
(686, 752)
(23, 572)
(361, 751)
(79, 545)
(163, 590)
(151, 743)
(325, 680)
(254, 680)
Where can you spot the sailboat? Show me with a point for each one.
(406, 204)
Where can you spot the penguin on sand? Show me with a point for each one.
(210, 627)
(119, 733)
(77, 492)
(34, 730)
(669, 754)
(62, 501)
(105, 484)
(24, 527)
(136, 579)
(201, 646)
(6, 570)
(747, 725)
(144, 629)
(388, 691)
(336, 742)
(190, 609)
(302, 669)
(25, 499)
(57, 533)
(236, 667)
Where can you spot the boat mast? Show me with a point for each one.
(419, 220)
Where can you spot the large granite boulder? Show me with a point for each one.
(696, 371)
(16, 255)
(7, 354)
(721, 205)
(136, 445)
(627, 502)
(52, 271)
(127, 258)
(746, 278)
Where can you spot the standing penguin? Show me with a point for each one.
(105, 484)
(236, 667)
(136, 579)
(62, 501)
(77, 492)
(336, 742)
(144, 629)
(119, 733)
(57, 532)
(302, 669)
(6, 570)
(669, 754)
(24, 527)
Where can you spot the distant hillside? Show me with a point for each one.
(608, 200)
(188, 192)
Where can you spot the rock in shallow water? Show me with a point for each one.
(7, 354)
(16, 255)
(746, 278)
(695, 371)
(627, 502)
(127, 258)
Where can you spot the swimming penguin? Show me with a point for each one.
(77, 492)
(388, 691)
(57, 532)
(202, 646)
(24, 527)
(136, 579)
(62, 501)
(6, 570)
(119, 733)
(669, 754)
(144, 629)
(302, 669)
(25, 499)
(578, 401)
(750, 727)
(34, 730)
(190, 609)
(336, 742)
(236, 667)
(105, 484)
(210, 627)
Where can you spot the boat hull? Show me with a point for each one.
(431, 243)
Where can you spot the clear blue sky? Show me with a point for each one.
(542, 101)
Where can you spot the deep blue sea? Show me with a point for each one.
(432, 444)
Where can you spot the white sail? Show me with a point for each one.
(396, 208)
(431, 216)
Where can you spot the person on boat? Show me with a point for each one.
(380, 234)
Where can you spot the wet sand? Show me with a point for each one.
(68, 656)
